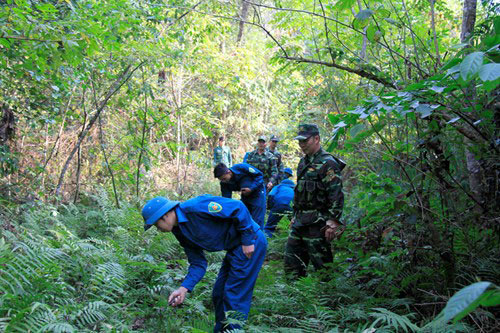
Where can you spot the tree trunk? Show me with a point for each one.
(473, 166)
(6, 124)
(243, 17)
(468, 19)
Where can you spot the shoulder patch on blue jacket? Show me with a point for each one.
(251, 170)
(214, 207)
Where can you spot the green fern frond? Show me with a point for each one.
(393, 320)
(92, 313)
(58, 328)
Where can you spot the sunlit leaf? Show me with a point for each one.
(362, 19)
(465, 301)
(489, 72)
(471, 65)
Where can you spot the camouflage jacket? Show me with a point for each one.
(223, 155)
(266, 163)
(318, 195)
(279, 165)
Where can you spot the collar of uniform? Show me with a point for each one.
(181, 217)
(311, 158)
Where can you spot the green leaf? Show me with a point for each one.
(5, 42)
(465, 301)
(382, 12)
(393, 22)
(489, 72)
(438, 89)
(425, 110)
(471, 65)
(450, 64)
(362, 19)
(373, 33)
(491, 298)
(370, 33)
(491, 85)
(344, 4)
(356, 129)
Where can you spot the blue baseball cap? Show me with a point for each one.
(155, 208)
(288, 171)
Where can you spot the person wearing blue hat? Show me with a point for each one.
(279, 202)
(250, 182)
(210, 223)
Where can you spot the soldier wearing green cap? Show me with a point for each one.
(317, 205)
(273, 142)
(222, 154)
(264, 161)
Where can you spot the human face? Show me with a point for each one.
(310, 145)
(167, 222)
(225, 178)
(221, 143)
(272, 145)
(261, 144)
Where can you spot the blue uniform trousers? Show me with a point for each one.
(258, 212)
(233, 288)
(275, 215)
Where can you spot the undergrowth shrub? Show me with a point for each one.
(77, 268)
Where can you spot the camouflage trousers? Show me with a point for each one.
(306, 243)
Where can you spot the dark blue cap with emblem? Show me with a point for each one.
(155, 208)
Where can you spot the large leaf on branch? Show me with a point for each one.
(344, 4)
(469, 298)
(489, 72)
(373, 33)
(362, 19)
(471, 65)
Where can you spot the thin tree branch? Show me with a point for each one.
(101, 139)
(124, 77)
(340, 23)
(359, 72)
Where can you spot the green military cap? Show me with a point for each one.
(274, 138)
(262, 138)
(306, 131)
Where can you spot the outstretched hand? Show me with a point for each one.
(248, 250)
(177, 296)
(245, 191)
(333, 230)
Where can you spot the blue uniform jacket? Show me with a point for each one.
(213, 224)
(245, 175)
(281, 194)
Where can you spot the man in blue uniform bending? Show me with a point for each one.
(213, 224)
(279, 202)
(250, 181)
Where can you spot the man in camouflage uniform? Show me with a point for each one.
(273, 142)
(317, 205)
(222, 154)
(265, 162)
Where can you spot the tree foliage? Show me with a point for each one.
(107, 103)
